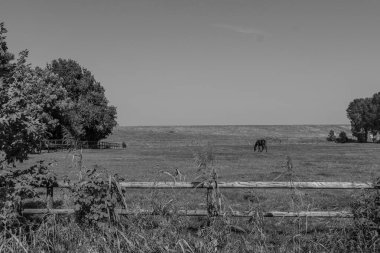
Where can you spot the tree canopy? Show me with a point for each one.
(41, 103)
(91, 115)
(31, 102)
(5, 56)
(364, 115)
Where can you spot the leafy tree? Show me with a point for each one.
(5, 56)
(376, 104)
(331, 136)
(362, 115)
(91, 118)
(31, 101)
(342, 138)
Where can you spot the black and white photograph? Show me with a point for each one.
(190, 126)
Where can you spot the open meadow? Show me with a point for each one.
(154, 152)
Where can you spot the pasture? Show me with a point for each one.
(152, 151)
(154, 154)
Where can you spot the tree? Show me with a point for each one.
(331, 136)
(62, 99)
(362, 115)
(376, 104)
(342, 138)
(31, 101)
(5, 56)
(91, 118)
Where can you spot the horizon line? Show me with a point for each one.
(203, 125)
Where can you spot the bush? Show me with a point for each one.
(124, 145)
(342, 137)
(331, 136)
(366, 211)
(18, 185)
(96, 199)
(362, 137)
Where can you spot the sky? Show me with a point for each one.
(211, 62)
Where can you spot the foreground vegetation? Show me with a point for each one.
(165, 149)
(170, 233)
(96, 227)
(167, 232)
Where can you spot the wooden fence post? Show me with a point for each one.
(214, 199)
(77, 159)
(49, 197)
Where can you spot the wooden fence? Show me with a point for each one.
(61, 144)
(224, 185)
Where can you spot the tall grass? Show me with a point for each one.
(171, 233)
(165, 231)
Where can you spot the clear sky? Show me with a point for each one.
(209, 62)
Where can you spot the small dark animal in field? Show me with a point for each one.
(260, 145)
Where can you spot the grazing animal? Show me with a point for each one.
(260, 145)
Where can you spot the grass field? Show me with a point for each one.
(153, 150)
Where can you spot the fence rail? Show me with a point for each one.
(320, 214)
(226, 185)
(55, 144)
(242, 185)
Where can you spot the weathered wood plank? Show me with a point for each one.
(246, 185)
(326, 214)
(48, 211)
(337, 214)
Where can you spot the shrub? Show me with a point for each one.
(18, 185)
(96, 199)
(124, 145)
(366, 211)
(331, 136)
(342, 137)
(362, 137)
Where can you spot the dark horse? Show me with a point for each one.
(260, 145)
